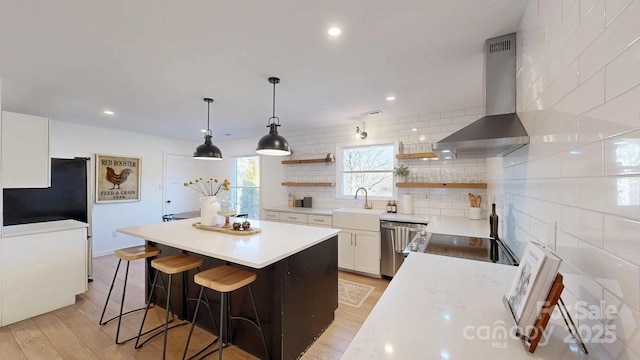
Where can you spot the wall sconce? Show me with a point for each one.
(360, 134)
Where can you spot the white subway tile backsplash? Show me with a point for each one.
(452, 113)
(622, 154)
(617, 115)
(625, 324)
(583, 287)
(587, 96)
(583, 224)
(618, 35)
(614, 7)
(586, 6)
(568, 26)
(623, 72)
(583, 161)
(614, 274)
(590, 27)
(567, 247)
(613, 195)
(578, 86)
(622, 238)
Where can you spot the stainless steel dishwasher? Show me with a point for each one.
(392, 244)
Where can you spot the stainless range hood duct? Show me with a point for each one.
(500, 132)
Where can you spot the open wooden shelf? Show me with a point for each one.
(307, 184)
(423, 155)
(307, 161)
(443, 185)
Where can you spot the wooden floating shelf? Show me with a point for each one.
(307, 184)
(430, 154)
(307, 161)
(443, 185)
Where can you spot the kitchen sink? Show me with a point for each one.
(359, 219)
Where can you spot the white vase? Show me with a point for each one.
(209, 207)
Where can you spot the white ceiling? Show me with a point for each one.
(152, 61)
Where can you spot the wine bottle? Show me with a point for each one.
(493, 223)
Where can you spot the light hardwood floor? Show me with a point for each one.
(73, 332)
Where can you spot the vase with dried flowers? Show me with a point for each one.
(209, 204)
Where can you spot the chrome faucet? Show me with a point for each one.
(366, 198)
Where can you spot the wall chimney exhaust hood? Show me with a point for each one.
(500, 132)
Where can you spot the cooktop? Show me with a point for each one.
(473, 248)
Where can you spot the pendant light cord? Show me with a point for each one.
(274, 101)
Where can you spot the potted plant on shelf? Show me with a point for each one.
(401, 171)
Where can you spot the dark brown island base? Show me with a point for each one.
(296, 292)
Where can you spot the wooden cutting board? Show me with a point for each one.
(250, 231)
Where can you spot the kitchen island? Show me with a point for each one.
(439, 307)
(297, 287)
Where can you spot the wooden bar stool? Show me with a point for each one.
(127, 254)
(225, 279)
(170, 265)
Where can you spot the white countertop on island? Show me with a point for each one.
(439, 307)
(276, 241)
(42, 227)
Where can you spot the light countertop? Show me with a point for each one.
(42, 227)
(431, 312)
(449, 225)
(274, 243)
(300, 210)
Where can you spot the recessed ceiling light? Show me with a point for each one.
(414, 129)
(391, 98)
(334, 31)
(203, 130)
(108, 112)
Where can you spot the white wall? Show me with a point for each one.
(578, 96)
(316, 143)
(70, 140)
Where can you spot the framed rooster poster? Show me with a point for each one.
(117, 178)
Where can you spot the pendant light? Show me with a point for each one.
(272, 143)
(207, 151)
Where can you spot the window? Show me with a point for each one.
(246, 185)
(370, 167)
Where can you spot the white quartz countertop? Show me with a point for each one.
(449, 225)
(276, 241)
(439, 307)
(42, 227)
(300, 210)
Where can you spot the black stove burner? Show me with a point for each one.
(473, 248)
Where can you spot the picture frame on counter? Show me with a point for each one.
(117, 178)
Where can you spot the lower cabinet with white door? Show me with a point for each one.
(359, 250)
(43, 267)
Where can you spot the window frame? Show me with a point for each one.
(339, 193)
(235, 187)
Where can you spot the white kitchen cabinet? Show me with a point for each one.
(294, 218)
(41, 272)
(297, 218)
(271, 215)
(26, 159)
(320, 220)
(359, 250)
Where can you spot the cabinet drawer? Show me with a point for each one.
(320, 220)
(293, 217)
(271, 215)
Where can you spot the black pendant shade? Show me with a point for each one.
(272, 143)
(207, 151)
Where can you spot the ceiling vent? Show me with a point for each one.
(371, 112)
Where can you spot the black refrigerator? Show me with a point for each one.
(68, 198)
